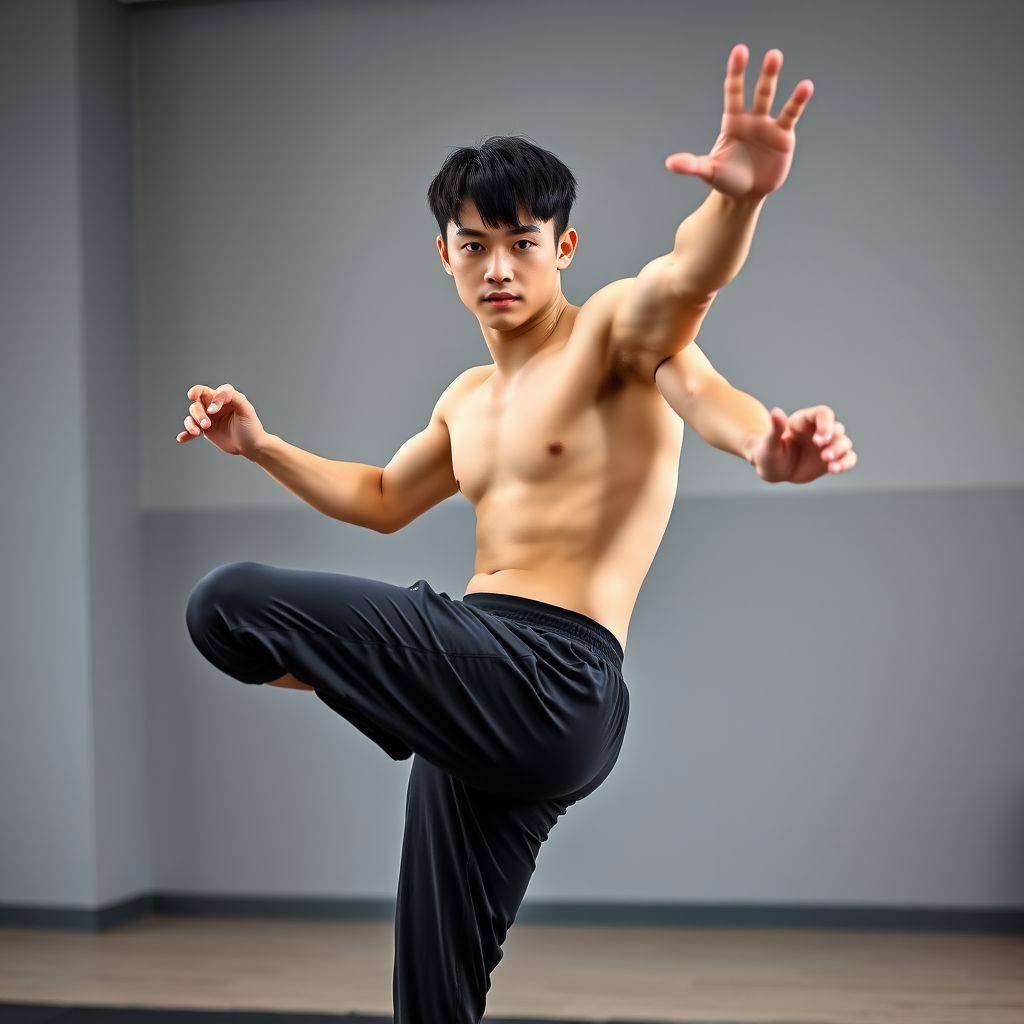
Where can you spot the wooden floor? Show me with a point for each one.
(593, 973)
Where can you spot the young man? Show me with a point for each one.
(567, 444)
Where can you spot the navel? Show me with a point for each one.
(556, 447)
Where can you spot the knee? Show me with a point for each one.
(218, 597)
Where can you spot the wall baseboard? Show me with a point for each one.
(275, 907)
(76, 919)
(776, 915)
(981, 920)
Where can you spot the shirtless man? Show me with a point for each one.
(567, 445)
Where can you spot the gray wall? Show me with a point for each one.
(109, 427)
(73, 775)
(284, 152)
(838, 729)
(827, 685)
(46, 792)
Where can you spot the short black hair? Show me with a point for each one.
(501, 175)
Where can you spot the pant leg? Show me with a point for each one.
(467, 858)
(505, 721)
(502, 707)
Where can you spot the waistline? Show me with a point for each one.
(551, 616)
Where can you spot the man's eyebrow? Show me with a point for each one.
(516, 229)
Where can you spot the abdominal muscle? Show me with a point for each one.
(584, 547)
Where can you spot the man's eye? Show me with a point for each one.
(523, 243)
(473, 246)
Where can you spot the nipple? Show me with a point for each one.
(556, 447)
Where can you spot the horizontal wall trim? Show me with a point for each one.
(298, 908)
(758, 492)
(985, 920)
(775, 915)
(76, 919)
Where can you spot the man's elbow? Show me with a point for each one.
(388, 521)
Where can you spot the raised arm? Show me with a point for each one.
(662, 309)
(418, 477)
(797, 448)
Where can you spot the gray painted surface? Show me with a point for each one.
(284, 149)
(46, 785)
(279, 177)
(119, 714)
(73, 779)
(827, 698)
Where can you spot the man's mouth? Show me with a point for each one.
(501, 299)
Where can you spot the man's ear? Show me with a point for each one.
(567, 247)
(442, 248)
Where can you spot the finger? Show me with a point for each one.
(184, 436)
(780, 422)
(221, 397)
(687, 163)
(764, 90)
(795, 105)
(734, 79)
(198, 413)
(848, 461)
(200, 393)
(824, 424)
(192, 427)
(837, 449)
(777, 428)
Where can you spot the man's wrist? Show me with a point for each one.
(262, 449)
(742, 205)
(750, 445)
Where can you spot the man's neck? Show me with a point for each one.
(511, 349)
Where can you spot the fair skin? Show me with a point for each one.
(567, 442)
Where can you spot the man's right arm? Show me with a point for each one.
(418, 477)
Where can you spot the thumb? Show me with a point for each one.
(687, 163)
(780, 423)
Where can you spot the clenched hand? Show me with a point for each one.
(803, 447)
(226, 417)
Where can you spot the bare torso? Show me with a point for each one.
(571, 465)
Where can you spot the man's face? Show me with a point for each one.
(507, 274)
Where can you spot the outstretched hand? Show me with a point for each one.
(803, 447)
(754, 151)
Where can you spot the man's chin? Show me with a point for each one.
(504, 318)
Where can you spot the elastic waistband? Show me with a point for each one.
(551, 616)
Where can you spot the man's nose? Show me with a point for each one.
(499, 267)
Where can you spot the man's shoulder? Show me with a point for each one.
(470, 379)
(606, 300)
(466, 383)
(596, 316)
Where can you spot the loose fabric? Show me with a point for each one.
(514, 709)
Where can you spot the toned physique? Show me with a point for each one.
(512, 701)
(567, 443)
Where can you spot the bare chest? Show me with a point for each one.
(548, 428)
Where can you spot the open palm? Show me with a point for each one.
(754, 151)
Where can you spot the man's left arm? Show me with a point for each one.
(661, 310)
(798, 448)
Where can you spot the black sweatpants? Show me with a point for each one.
(514, 709)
